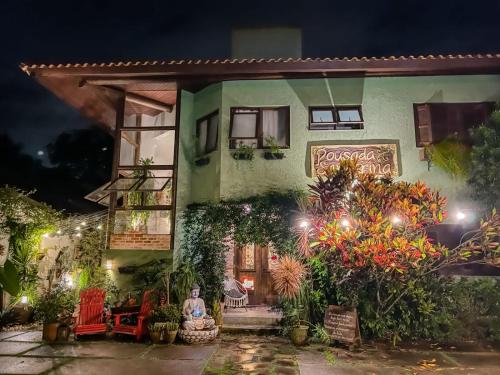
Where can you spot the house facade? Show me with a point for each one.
(178, 125)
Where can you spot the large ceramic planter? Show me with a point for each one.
(49, 332)
(155, 337)
(170, 336)
(299, 335)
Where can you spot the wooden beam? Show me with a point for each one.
(134, 98)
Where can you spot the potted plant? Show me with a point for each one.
(296, 327)
(155, 332)
(274, 152)
(51, 307)
(170, 333)
(243, 152)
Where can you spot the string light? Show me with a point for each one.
(24, 299)
(396, 220)
(345, 223)
(99, 227)
(247, 208)
(460, 215)
(78, 228)
(109, 265)
(304, 223)
(83, 223)
(45, 235)
(78, 234)
(59, 231)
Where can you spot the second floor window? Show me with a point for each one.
(335, 118)
(434, 122)
(206, 133)
(255, 126)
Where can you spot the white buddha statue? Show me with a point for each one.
(195, 313)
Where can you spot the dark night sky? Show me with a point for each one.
(78, 31)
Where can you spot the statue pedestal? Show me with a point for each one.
(198, 337)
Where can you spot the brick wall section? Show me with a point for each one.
(229, 271)
(140, 241)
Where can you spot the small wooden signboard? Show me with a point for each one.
(342, 324)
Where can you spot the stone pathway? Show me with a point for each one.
(256, 355)
(25, 353)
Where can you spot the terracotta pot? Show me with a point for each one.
(299, 335)
(155, 337)
(49, 332)
(170, 336)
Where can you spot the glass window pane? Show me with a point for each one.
(123, 184)
(244, 125)
(320, 115)
(248, 257)
(275, 125)
(153, 184)
(211, 143)
(142, 221)
(202, 137)
(156, 145)
(349, 115)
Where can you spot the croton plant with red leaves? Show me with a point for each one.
(366, 221)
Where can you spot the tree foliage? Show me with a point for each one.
(262, 219)
(484, 175)
(366, 246)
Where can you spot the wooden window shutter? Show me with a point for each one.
(423, 124)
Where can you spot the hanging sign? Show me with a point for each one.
(342, 324)
(379, 159)
(248, 283)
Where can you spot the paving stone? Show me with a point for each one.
(32, 336)
(102, 349)
(10, 348)
(180, 352)
(130, 367)
(24, 365)
(7, 334)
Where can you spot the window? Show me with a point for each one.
(335, 118)
(252, 126)
(436, 121)
(206, 133)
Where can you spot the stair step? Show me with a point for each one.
(250, 329)
(251, 320)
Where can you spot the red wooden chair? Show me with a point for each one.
(90, 318)
(141, 327)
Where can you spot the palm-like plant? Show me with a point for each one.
(288, 276)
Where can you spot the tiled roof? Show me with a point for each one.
(146, 63)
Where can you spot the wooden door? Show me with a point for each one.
(252, 268)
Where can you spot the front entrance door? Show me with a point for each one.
(252, 264)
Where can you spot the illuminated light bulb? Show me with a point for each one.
(24, 299)
(396, 220)
(99, 227)
(304, 224)
(83, 223)
(78, 228)
(345, 223)
(109, 265)
(460, 215)
(78, 234)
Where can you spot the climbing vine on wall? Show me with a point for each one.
(262, 219)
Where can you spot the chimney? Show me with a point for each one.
(266, 42)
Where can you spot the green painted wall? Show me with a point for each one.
(132, 258)
(387, 104)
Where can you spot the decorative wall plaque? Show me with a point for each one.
(379, 159)
(342, 324)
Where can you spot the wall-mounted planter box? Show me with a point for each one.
(202, 161)
(238, 156)
(268, 155)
